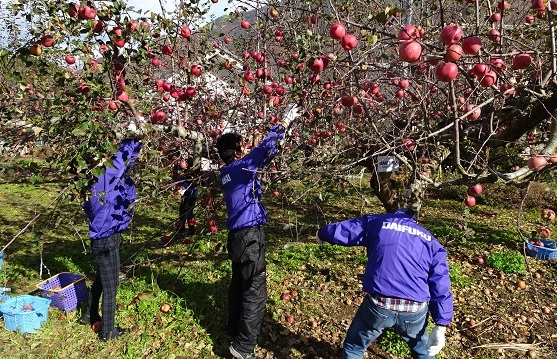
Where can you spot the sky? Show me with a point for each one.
(217, 9)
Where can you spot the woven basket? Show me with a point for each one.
(66, 290)
(547, 252)
(25, 313)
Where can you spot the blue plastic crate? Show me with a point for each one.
(25, 313)
(547, 252)
(1, 259)
(66, 290)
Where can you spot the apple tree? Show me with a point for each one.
(456, 93)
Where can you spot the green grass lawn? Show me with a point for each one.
(324, 281)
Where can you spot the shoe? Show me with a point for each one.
(238, 355)
(229, 338)
(122, 277)
(113, 334)
(85, 319)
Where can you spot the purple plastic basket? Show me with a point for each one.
(25, 313)
(66, 290)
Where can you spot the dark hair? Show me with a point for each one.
(227, 146)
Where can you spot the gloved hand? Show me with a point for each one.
(135, 128)
(317, 240)
(290, 114)
(436, 340)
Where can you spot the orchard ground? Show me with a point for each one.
(500, 305)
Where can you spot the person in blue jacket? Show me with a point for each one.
(247, 294)
(406, 278)
(189, 193)
(110, 210)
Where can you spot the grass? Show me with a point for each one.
(193, 278)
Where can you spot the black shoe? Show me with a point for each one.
(113, 334)
(239, 355)
(229, 338)
(85, 319)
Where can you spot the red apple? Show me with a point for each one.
(245, 24)
(470, 201)
(87, 12)
(471, 45)
(446, 71)
(537, 5)
(196, 70)
(475, 114)
(408, 33)
(166, 49)
(112, 105)
(548, 214)
(73, 9)
(165, 239)
(70, 60)
(544, 232)
(475, 189)
(97, 326)
(521, 61)
(529, 19)
(337, 31)
(451, 34)
(185, 32)
(502, 5)
(495, 17)
(122, 96)
(537, 163)
(349, 42)
(47, 40)
(285, 297)
(494, 35)
(488, 79)
(165, 308)
(408, 144)
(454, 52)
(290, 319)
(317, 64)
(403, 84)
(409, 51)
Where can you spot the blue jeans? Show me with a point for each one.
(371, 320)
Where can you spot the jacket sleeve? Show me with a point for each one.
(261, 155)
(441, 302)
(122, 161)
(347, 233)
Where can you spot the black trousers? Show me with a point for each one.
(247, 295)
(187, 204)
(106, 254)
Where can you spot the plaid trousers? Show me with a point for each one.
(106, 254)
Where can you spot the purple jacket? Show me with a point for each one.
(241, 184)
(108, 207)
(404, 259)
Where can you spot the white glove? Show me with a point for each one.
(290, 114)
(436, 340)
(317, 240)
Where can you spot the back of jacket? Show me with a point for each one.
(108, 207)
(241, 184)
(404, 259)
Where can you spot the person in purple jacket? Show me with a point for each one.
(109, 209)
(406, 278)
(247, 294)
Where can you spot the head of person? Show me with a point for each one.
(409, 211)
(230, 147)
